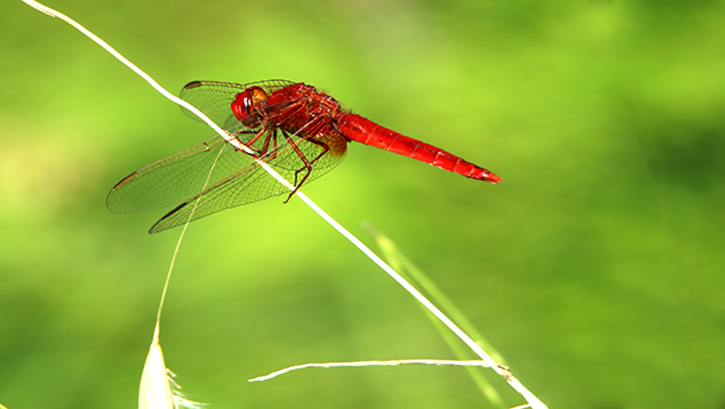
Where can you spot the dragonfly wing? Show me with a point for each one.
(253, 183)
(176, 178)
(236, 190)
(214, 99)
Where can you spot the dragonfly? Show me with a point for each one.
(298, 130)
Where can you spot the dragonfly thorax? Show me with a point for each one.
(302, 109)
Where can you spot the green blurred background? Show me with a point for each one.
(595, 268)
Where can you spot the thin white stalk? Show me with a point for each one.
(178, 245)
(358, 364)
(534, 402)
(156, 391)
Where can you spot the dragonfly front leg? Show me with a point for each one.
(271, 136)
(250, 143)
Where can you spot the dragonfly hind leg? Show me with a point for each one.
(307, 164)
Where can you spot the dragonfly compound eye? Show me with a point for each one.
(248, 105)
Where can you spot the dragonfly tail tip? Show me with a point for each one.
(492, 178)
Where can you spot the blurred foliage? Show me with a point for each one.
(596, 267)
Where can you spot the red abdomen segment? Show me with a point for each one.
(368, 132)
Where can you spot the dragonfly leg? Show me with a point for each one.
(307, 165)
(325, 148)
(272, 135)
(250, 142)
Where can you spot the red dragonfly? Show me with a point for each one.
(298, 130)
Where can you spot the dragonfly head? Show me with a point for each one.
(248, 105)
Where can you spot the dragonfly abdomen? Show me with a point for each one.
(360, 129)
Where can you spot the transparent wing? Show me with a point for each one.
(214, 99)
(173, 179)
(252, 183)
